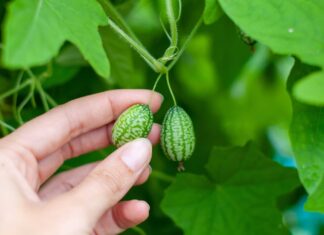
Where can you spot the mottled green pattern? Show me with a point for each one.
(136, 122)
(177, 135)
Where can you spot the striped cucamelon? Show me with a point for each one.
(136, 122)
(177, 135)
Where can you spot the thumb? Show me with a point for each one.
(107, 184)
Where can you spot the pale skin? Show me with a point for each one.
(85, 200)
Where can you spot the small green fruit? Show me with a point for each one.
(136, 122)
(177, 135)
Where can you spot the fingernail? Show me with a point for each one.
(146, 205)
(162, 97)
(136, 154)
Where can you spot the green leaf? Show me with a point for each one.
(120, 55)
(285, 26)
(212, 11)
(197, 63)
(60, 75)
(70, 56)
(36, 29)
(307, 137)
(310, 90)
(238, 196)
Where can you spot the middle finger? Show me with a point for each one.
(96, 139)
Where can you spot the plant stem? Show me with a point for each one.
(154, 64)
(113, 13)
(157, 81)
(50, 99)
(25, 101)
(170, 89)
(185, 44)
(162, 176)
(5, 126)
(173, 24)
(42, 95)
(16, 89)
(15, 96)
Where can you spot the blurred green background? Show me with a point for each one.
(233, 93)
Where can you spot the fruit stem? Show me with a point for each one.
(154, 87)
(157, 81)
(181, 167)
(170, 89)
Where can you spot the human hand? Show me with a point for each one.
(84, 200)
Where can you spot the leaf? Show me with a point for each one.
(36, 29)
(197, 63)
(307, 137)
(212, 11)
(70, 56)
(238, 196)
(310, 90)
(60, 75)
(121, 59)
(285, 26)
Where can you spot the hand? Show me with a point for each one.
(84, 200)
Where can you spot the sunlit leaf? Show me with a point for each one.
(212, 11)
(238, 195)
(285, 26)
(311, 89)
(307, 136)
(36, 29)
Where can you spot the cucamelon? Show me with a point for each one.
(136, 122)
(177, 135)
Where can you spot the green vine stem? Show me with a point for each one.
(154, 64)
(45, 98)
(169, 53)
(154, 87)
(185, 44)
(4, 126)
(157, 81)
(15, 90)
(162, 176)
(170, 89)
(42, 96)
(51, 101)
(114, 14)
(15, 96)
(25, 101)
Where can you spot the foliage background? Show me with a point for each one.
(236, 96)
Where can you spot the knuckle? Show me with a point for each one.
(109, 180)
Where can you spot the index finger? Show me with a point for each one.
(46, 133)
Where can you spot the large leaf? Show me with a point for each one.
(212, 11)
(287, 28)
(36, 29)
(238, 196)
(311, 89)
(307, 136)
